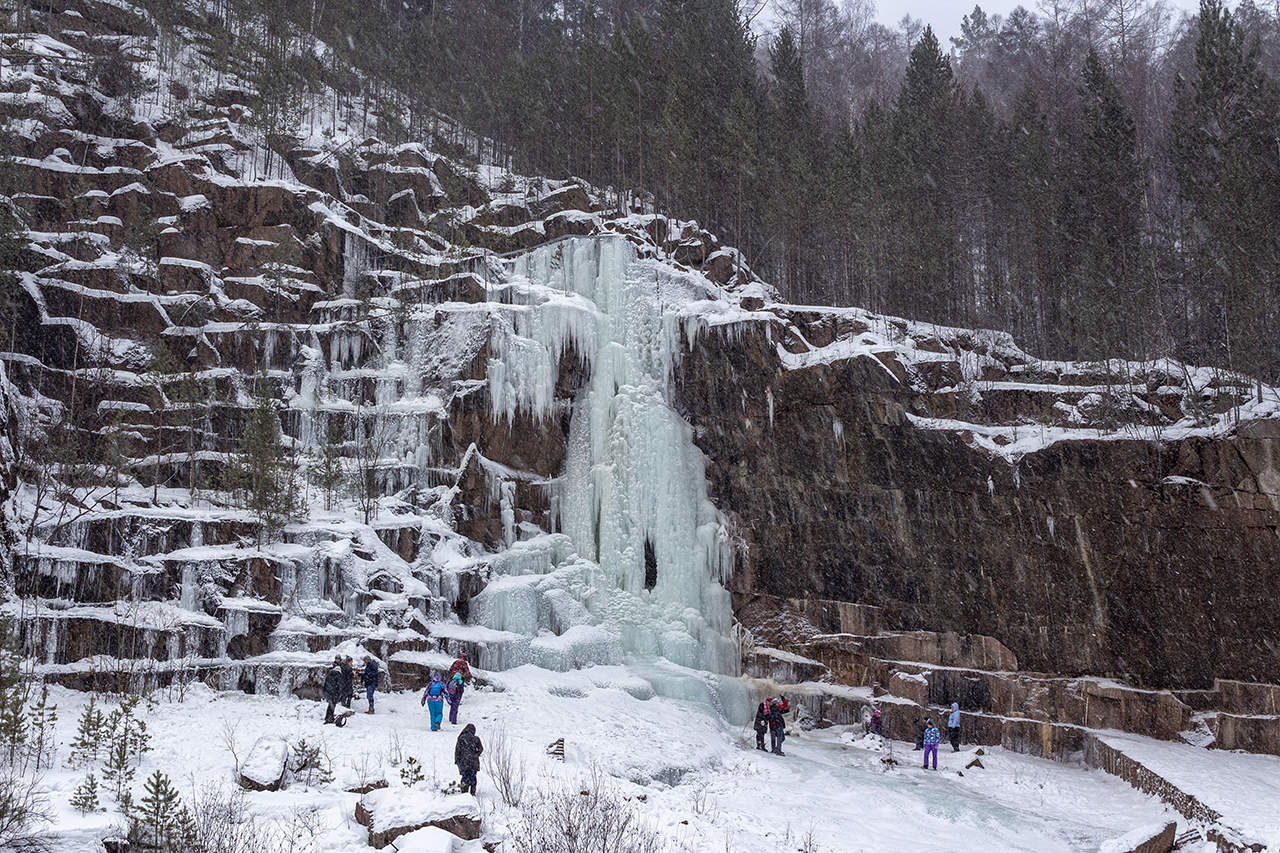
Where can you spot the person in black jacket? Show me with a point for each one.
(332, 691)
(778, 723)
(761, 724)
(919, 726)
(348, 681)
(466, 754)
(370, 677)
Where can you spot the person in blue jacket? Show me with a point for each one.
(953, 726)
(370, 680)
(433, 698)
(931, 738)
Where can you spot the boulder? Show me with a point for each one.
(263, 768)
(1153, 838)
(910, 685)
(432, 839)
(389, 813)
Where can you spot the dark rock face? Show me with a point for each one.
(1097, 556)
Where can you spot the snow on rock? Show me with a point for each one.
(389, 813)
(431, 839)
(264, 767)
(1152, 838)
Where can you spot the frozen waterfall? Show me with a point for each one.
(641, 551)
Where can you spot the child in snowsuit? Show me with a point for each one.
(370, 680)
(433, 698)
(953, 726)
(877, 722)
(778, 724)
(454, 694)
(466, 754)
(762, 722)
(931, 738)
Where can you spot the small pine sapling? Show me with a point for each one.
(411, 773)
(88, 740)
(309, 764)
(85, 798)
(118, 771)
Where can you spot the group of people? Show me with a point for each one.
(339, 686)
(928, 737)
(770, 717)
(449, 689)
(339, 690)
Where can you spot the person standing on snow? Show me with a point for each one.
(953, 726)
(433, 698)
(332, 690)
(466, 754)
(931, 738)
(370, 680)
(460, 666)
(778, 723)
(876, 726)
(453, 692)
(919, 727)
(348, 681)
(762, 721)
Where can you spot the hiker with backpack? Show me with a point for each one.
(460, 666)
(466, 754)
(453, 692)
(433, 698)
(778, 723)
(931, 738)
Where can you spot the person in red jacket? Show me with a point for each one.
(460, 665)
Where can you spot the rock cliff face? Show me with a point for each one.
(870, 470)
(569, 431)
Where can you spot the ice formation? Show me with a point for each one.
(636, 567)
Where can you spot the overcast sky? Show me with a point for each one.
(945, 15)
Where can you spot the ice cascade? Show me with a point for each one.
(640, 551)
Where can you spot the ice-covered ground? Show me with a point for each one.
(693, 777)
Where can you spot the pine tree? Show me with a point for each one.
(1109, 298)
(89, 733)
(85, 798)
(327, 473)
(161, 822)
(14, 691)
(41, 721)
(1225, 124)
(118, 771)
(264, 472)
(129, 742)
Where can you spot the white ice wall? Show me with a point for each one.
(632, 472)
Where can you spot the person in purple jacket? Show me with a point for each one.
(931, 738)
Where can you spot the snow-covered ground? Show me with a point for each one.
(693, 777)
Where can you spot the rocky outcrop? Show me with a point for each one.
(854, 473)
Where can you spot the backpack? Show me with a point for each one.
(435, 689)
